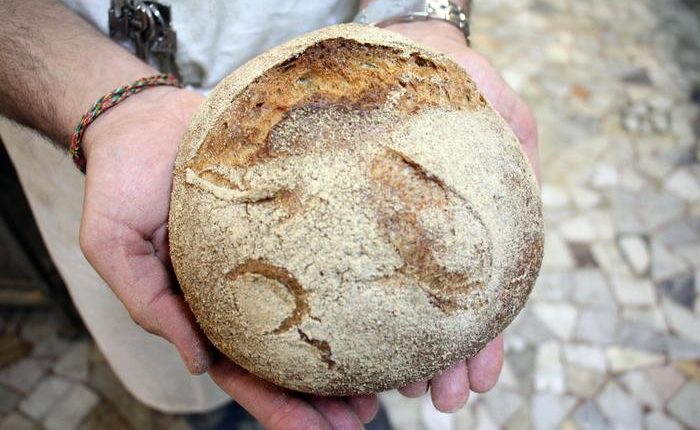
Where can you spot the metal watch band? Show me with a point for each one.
(385, 12)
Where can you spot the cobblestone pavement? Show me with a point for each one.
(611, 336)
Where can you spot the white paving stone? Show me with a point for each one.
(602, 223)
(685, 323)
(645, 316)
(596, 325)
(554, 197)
(680, 348)
(552, 285)
(583, 381)
(521, 420)
(684, 184)
(578, 229)
(604, 176)
(465, 418)
(549, 372)
(583, 355)
(585, 198)
(589, 417)
(641, 389)
(631, 180)
(685, 406)
(432, 419)
(502, 404)
(690, 253)
(559, 317)
(659, 420)
(633, 291)
(404, 413)
(622, 358)
(658, 209)
(618, 407)
(557, 254)
(484, 419)
(549, 410)
(636, 252)
(664, 264)
(609, 259)
(44, 396)
(507, 378)
(71, 409)
(591, 288)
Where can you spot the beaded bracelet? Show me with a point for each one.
(108, 101)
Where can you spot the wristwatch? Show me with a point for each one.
(385, 12)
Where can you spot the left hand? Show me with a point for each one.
(450, 389)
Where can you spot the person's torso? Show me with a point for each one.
(215, 37)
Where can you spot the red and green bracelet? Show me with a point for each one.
(108, 101)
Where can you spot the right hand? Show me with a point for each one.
(130, 153)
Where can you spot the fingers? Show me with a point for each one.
(506, 102)
(274, 407)
(416, 389)
(365, 406)
(450, 389)
(337, 412)
(485, 366)
(139, 279)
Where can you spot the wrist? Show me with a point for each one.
(461, 3)
(109, 74)
(429, 29)
(159, 103)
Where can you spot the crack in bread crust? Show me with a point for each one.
(402, 189)
(334, 72)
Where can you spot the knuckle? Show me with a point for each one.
(86, 241)
(142, 317)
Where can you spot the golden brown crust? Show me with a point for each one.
(350, 215)
(332, 72)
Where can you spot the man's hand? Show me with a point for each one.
(130, 151)
(450, 389)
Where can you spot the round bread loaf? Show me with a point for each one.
(350, 215)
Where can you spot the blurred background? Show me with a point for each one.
(611, 335)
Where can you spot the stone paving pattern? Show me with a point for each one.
(611, 336)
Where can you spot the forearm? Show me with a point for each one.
(54, 65)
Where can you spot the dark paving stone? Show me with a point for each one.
(12, 348)
(17, 421)
(638, 77)
(680, 289)
(8, 399)
(582, 255)
(138, 415)
(104, 417)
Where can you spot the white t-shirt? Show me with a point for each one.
(214, 38)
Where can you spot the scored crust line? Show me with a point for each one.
(281, 275)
